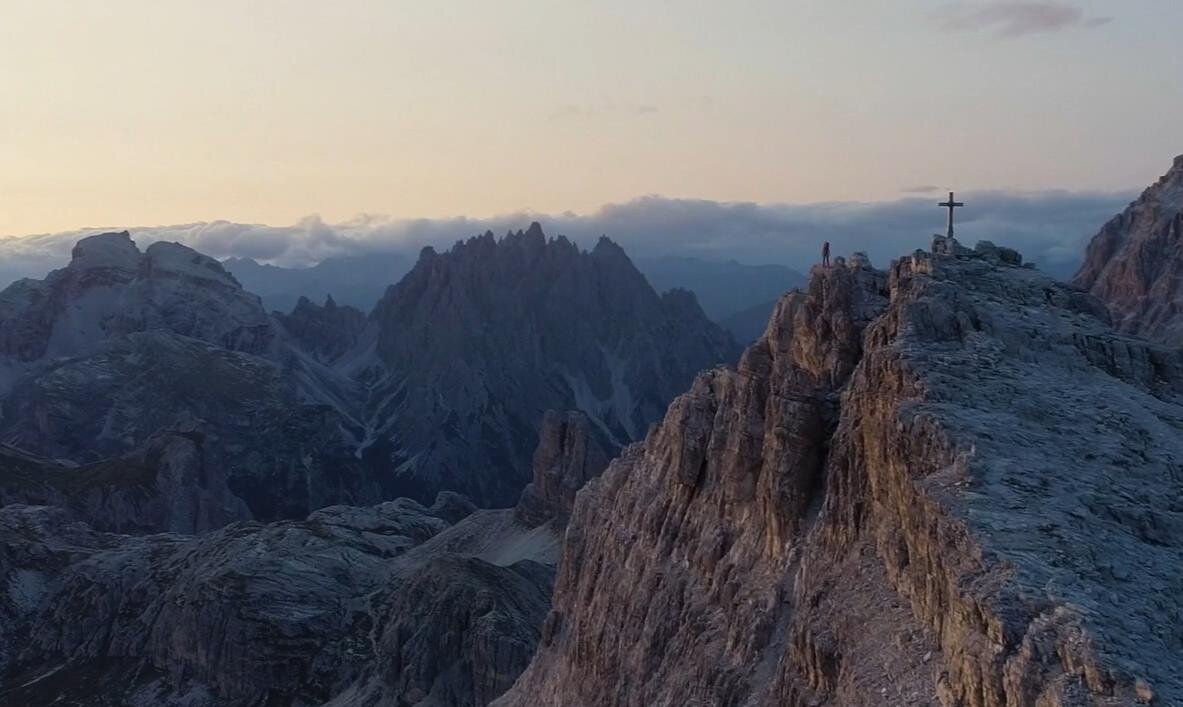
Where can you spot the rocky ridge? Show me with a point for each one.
(463, 356)
(950, 483)
(1133, 263)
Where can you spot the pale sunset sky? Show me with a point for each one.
(168, 111)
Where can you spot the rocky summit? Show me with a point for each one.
(1135, 264)
(463, 356)
(951, 482)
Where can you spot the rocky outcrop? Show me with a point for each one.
(948, 483)
(164, 486)
(464, 355)
(567, 457)
(1133, 264)
(326, 332)
(350, 607)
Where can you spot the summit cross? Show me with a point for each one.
(950, 205)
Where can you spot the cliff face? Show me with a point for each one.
(464, 355)
(1134, 263)
(950, 482)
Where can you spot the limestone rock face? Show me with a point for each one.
(568, 456)
(466, 353)
(1133, 264)
(950, 483)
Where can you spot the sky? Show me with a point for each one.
(142, 112)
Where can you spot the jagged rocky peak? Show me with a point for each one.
(1135, 263)
(884, 505)
(326, 331)
(476, 343)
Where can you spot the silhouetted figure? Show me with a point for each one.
(826, 254)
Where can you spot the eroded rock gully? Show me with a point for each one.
(949, 483)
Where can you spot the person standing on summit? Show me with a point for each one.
(826, 254)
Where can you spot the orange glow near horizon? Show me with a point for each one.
(136, 113)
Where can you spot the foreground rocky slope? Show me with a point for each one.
(348, 607)
(1135, 264)
(466, 352)
(948, 483)
(395, 604)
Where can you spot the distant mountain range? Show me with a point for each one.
(357, 281)
(441, 387)
(724, 289)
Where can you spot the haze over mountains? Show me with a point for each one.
(1052, 227)
(948, 481)
(723, 288)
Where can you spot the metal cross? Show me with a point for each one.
(950, 205)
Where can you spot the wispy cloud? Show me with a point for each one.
(1050, 228)
(593, 109)
(576, 111)
(920, 189)
(1014, 18)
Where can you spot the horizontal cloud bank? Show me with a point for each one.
(1050, 228)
